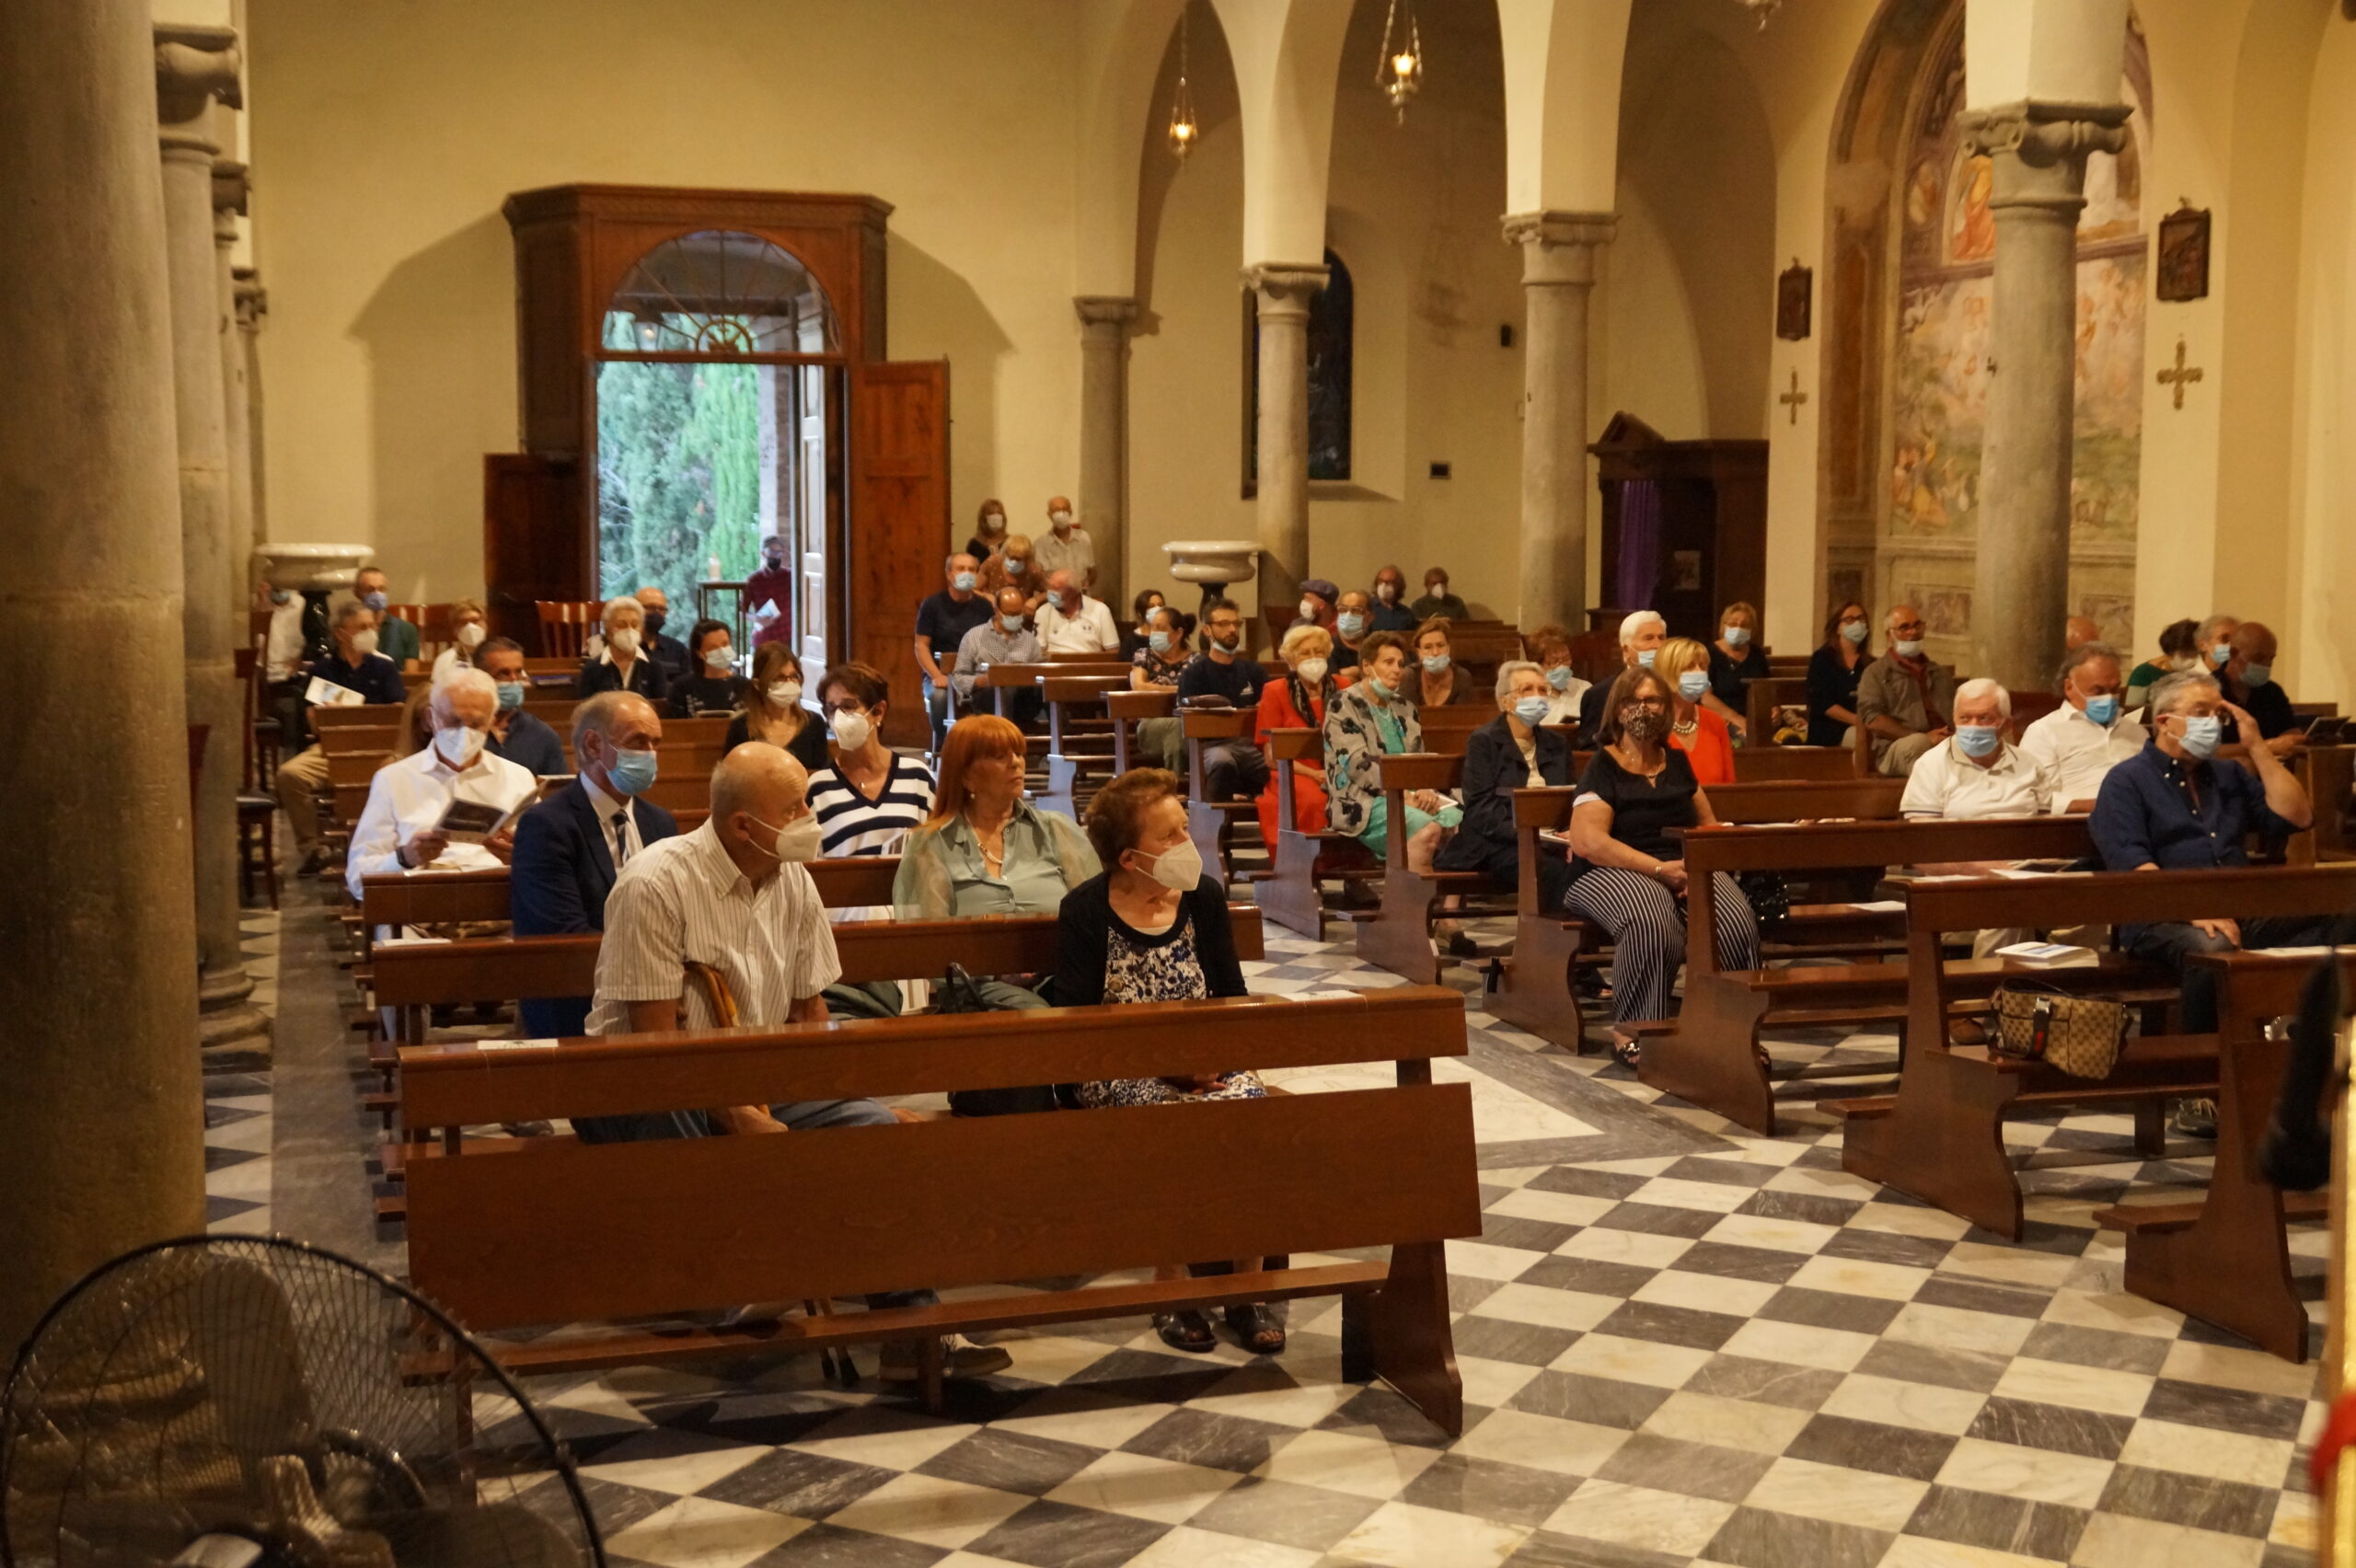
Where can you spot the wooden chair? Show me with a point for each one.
(1940, 1137)
(2226, 1257)
(496, 1231)
(256, 844)
(566, 626)
(1211, 823)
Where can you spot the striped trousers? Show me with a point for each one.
(1647, 927)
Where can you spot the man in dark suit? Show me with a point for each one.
(570, 845)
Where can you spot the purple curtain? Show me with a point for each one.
(1639, 545)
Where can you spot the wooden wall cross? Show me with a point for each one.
(1794, 398)
(2181, 376)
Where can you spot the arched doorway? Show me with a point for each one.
(1907, 353)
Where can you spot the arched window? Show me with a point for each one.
(721, 293)
(1332, 320)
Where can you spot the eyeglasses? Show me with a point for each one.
(836, 710)
(1904, 627)
(1643, 705)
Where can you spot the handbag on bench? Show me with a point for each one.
(2080, 1036)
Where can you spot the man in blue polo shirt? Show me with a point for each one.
(2170, 808)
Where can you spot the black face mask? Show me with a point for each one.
(654, 619)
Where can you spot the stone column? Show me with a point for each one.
(1104, 436)
(1284, 291)
(1557, 274)
(194, 66)
(228, 205)
(102, 1142)
(2040, 150)
(252, 302)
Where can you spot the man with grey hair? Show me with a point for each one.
(733, 897)
(571, 847)
(1977, 773)
(1903, 697)
(351, 665)
(1072, 622)
(401, 829)
(1510, 752)
(2172, 808)
(2079, 742)
(1641, 634)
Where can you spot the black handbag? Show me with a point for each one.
(956, 992)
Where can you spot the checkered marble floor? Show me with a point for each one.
(238, 1125)
(1681, 1345)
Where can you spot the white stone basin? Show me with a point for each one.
(1214, 560)
(304, 568)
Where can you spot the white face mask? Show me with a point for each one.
(718, 658)
(785, 694)
(470, 635)
(459, 746)
(1308, 608)
(797, 841)
(362, 644)
(852, 729)
(1310, 671)
(1178, 868)
(625, 642)
(1060, 519)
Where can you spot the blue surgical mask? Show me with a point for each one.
(1532, 710)
(1437, 663)
(377, 601)
(1691, 685)
(510, 696)
(1908, 648)
(1737, 636)
(963, 581)
(1160, 640)
(1374, 683)
(1010, 623)
(1559, 678)
(1644, 659)
(1853, 630)
(2102, 709)
(1978, 740)
(1349, 623)
(2202, 736)
(1014, 565)
(631, 772)
(2256, 674)
(2217, 655)
(282, 595)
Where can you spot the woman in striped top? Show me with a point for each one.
(868, 796)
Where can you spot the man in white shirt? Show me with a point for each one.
(733, 894)
(1072, 622)
(2079, 742)
(399, 829)
(1977, 773)
(1065, 546)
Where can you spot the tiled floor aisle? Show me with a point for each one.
(1680, 1346)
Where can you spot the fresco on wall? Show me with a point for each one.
(1941, 346)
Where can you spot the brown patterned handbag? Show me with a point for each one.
(2080, 1036)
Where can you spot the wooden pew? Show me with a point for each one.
(498, 1230)
(1762, 697)
(1074, 734)
(1941, 1136)
(2226, 1259)
(1211, 823)
(1288, 895)
(1447, 729)
(1533, 988)
(1708, 1054)
(1761, 764)
(1000, 679)
(1128, 708)
(1399, 935)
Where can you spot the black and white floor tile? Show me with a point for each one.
(238, 1125)
(1683, 1346)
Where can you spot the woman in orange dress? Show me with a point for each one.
(1701, 735)
(1296, 703)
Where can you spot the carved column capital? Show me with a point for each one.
(2039, 149)
(252, 299)
(1105, 310)
(1285, 287)
(195, 66)
(230, 189)
(1559, 247)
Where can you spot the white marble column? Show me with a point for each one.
(2040, 150)
(194, 67)
(1282, 289)
(1104, 436)
(1557, 274)
(102, 1141)
(228, 205)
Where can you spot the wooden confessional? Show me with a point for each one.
(1684, 525)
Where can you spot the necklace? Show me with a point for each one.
(1688, 726)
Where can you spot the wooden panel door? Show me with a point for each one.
(531, 540)
(899, 522)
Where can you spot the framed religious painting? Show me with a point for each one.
(2183, 270)
(1795, 301)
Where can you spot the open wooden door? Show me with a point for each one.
(899, 524)
(531, 541)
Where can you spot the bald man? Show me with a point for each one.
(1065, 546)
(2248, 682)
(2077, 632)
(733, 894)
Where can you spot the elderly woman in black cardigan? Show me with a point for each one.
(1508, 752)
(1153, 927)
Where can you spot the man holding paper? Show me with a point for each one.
(351, 671)
(451, 806)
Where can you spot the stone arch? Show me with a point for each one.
(1564, 61)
